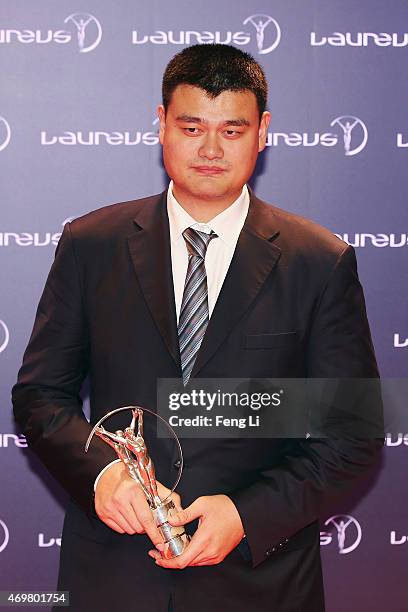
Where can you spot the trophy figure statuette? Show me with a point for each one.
(131, 448)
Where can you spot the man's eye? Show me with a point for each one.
(232, 133)
(191, 130)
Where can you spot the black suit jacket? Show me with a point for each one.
(291, 306)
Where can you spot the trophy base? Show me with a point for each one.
(176, 546)
(175, 538)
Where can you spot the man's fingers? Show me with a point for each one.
(197, 546)
(177, 501)
(110, 523)
(154, 554)
(193, 557)
(153, 533)
(123, 511)
(144, 517)
(205, 562)
(120, 512)
(208, 556)
(165, 493)
(182, 517)
(126, 520)
(137, 503)
(162, 490)
(121, 504)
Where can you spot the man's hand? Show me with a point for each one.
(121, 504)
(220, 530)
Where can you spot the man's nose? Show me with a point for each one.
(211, 147)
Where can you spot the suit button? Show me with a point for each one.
(268, 553)
(177, 464)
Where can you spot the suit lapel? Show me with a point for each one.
(150, 251)
(254, 258)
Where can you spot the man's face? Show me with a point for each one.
(210, 145)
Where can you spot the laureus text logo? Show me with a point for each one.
(84, 28)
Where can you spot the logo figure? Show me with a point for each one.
(347, 124)
(6, 535)
(6, 336)
(342, 522)
(82, 21)
(6, 137)
(260, 22)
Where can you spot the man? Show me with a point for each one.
(278, 297)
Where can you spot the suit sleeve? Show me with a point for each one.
(46, 398)
(317, 471)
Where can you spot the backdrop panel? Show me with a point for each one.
(79, 87)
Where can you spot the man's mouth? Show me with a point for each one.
(209, 170)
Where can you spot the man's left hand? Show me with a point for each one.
(219, 531)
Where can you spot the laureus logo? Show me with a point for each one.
(5, 133)
(4, 336)
(355, 133)
(30, 239)
(261, 22)
(348, 532)
(84, 28)
(265, 28)
(89, 31)
(4, 535)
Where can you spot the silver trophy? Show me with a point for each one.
(131, 448)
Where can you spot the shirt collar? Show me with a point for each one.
(227, 224)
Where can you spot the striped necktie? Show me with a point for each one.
(193, 319)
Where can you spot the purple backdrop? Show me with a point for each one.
(77, 131)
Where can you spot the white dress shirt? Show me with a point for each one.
(227, 225)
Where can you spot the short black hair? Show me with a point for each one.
(215, 68)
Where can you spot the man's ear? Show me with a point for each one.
(161, 113)
(263, 130)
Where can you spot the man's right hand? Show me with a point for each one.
(121, 504)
